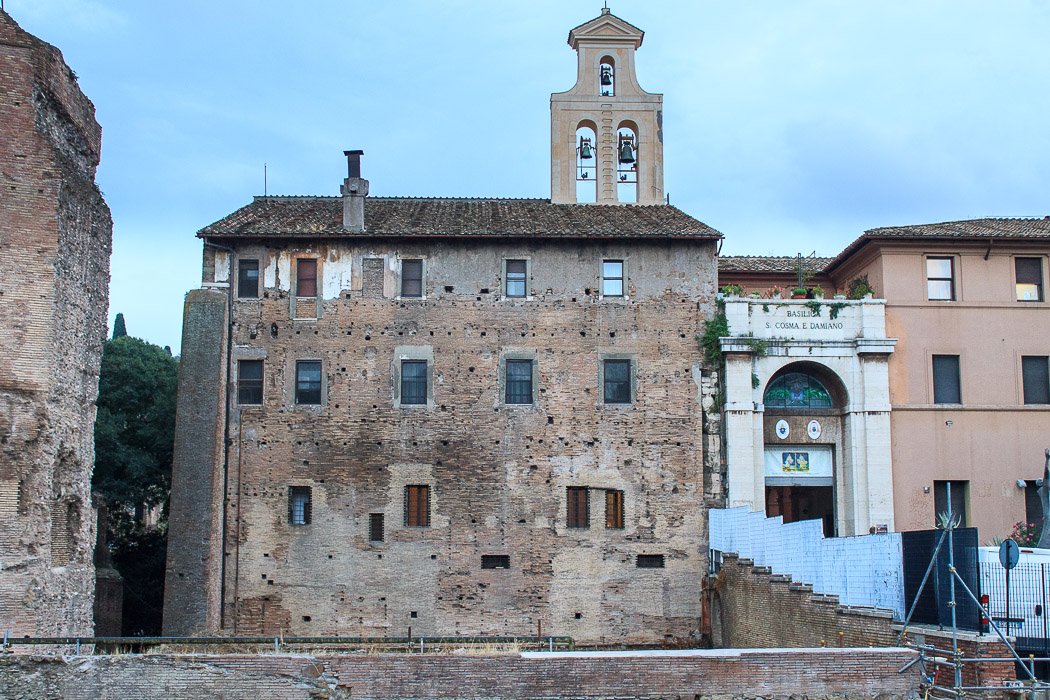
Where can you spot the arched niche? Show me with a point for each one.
(587, 162)
(607, 77)
(627, 157)
(804, 387)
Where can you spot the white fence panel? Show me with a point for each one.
(862, 571)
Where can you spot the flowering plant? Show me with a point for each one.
(1025, 534)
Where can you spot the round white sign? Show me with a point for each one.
(813, 429)
(782, 429)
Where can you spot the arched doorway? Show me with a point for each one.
(804, 403)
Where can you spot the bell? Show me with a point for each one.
(586, 152)
(606, 76)
(626, 152)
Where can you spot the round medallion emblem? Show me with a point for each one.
(782, 429)
(814, 429)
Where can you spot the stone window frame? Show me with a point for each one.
(630, 356)
(601, 279)
(295, 384)
(259, 278)
(293, 300)
(528, 278)
(423, 278)
(501, 384)
(412, 352)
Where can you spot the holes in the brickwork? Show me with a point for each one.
(432, 333)
(444, 443)
(449, 288)
(349, 332)
(550, 420)
(264, 577)
(650, 561)
(297, 332)
(612, 334)
(485, 290)
(270, 582)
(443, 407)
(329, 556)
(413, 614)
(483, 334)
(583, 334)
(470, 369)
(495, 561)
(306, 618)
(478, 298)
(630, 442)
(587, 291)
(266, 555)
(433, 556)
(368, 337)
(579, 616)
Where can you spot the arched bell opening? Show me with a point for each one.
(627, 157)
(804, 435)
(607, 77)
(586, 162)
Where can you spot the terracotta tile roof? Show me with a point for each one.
(769, 263)
(322, 217)
(971, 229)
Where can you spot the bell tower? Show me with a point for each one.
(606, 132)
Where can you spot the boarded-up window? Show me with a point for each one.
(375, 527)
(247, 279)
(249, 382)
(299, 505)
(306, 278)
(373, 274)
(614, 509)
(1029, 278)
(417, 505)
(412, 278)
(577, 504)
(63, 527)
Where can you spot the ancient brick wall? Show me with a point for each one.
(850, 674)
(497, 473)
(55, 240)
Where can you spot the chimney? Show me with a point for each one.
(354, 191)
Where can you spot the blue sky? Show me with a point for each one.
(789, 126)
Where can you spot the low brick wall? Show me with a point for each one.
(797, 673)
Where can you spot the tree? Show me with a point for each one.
(134, 438)
(119, 329)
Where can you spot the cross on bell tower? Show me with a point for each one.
(606, 132)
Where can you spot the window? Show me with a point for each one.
(249, 382)
(797, 390)
(617, 381)
(940, 279)
(613, 509)
(495, 561)
(308, 382)
(1029, 276)
(417, 506)
(946, 379)
(578, 500)
(650, 561)
(1033, 507)
(306, 278)
(612, 278)
(516, 276)
(375, 527)
(247, 279)
(299, 505)
(960, 491)
(412, 279)
(1035, 376)
(413, 382)
(519, 382)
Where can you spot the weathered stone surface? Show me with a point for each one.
(55, 239)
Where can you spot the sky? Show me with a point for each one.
(791, 127)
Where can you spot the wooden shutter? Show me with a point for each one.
(306, 278)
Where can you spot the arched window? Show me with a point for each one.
(627, 163)
(607, 77)
(586, 163)
(797, 390)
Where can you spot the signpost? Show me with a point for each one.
(1009, 555)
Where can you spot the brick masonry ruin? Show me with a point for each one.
(55, 240)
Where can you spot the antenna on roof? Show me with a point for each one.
(264, 180)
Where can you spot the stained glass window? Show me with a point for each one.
(797, 390)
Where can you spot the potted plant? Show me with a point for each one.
(732, 290)
(798, 293)
(775, 292)
(818, 292)
(859, 288)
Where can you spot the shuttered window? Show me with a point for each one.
(299, 505)
(613, 509)
(946, 379)
(412, 278)
(375, 527)
(1029, 276)
(578, 502)
(306, 278)
(417, 505)
(1035, 375)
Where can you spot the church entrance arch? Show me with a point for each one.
(804, 404)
